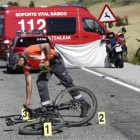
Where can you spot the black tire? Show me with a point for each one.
(116, 64)
(138, 53)
(4, 59)
(11, 71)
(121, 65)
(72, 115)
(119, 61)
(7, 61)
(7, 68)
(36, 127)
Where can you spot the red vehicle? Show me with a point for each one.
(69, 24)
(22, 40)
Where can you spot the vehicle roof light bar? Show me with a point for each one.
(22, 32)
(63, 5)
(33, 32)
(4, 6)
(37, 31)
(78, 5)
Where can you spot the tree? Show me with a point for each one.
(32, 4)
(13, 3)
(122, 21)
(110, 25)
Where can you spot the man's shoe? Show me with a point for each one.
(84, 109)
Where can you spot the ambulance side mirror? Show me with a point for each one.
(101, 30)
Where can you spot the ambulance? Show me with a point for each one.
(69, 24)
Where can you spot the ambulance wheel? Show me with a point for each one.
(7, 68)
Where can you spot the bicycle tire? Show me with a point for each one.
(80, 121)
(138, 52)
(30, 127)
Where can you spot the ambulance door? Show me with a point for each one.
(90, 30)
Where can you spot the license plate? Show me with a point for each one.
(118, 49)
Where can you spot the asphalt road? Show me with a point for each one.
(120, 104)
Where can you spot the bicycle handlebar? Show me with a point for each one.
(138, 40)
(28, 109)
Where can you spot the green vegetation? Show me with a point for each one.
(110, 25)
(122, 21)
(136, 60)
(13, 3)
(114, 3)
(16, 4)
(124, 2)
(32, 4)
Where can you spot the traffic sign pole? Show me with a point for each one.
(107, 25)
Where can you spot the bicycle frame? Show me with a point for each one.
(39, 112)
(70, 117)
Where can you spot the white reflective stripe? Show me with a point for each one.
(27, 67)
(45, 103)
(42, 58)
(25, 50)
(36, 57)
(78, 96)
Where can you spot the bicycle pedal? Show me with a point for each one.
(67, 123)
(6, 119)
(9, 122)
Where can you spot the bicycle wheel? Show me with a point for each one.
(138, 53)
(36, 127)
(72, 115)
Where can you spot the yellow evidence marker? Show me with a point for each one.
(44, 68)
(101, 118)
(24, 114)
(47, 129)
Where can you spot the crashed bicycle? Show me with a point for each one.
(65, 111)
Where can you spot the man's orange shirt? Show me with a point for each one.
(35, 57)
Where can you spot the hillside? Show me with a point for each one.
(132, 11)
(37, 2)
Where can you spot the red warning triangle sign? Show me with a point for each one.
(107, 15)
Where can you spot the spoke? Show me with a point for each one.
(69, 116)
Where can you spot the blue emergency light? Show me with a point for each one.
(37, 31)
(3, 7)
(63, 5)
(78, 5)
(22, 32)
(33, 32)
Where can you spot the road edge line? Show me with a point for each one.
(112, 79)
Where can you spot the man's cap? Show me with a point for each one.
(13, 61)
(25, 57)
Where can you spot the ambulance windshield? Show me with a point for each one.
(27, 41)
(1, 26)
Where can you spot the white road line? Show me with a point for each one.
(112, 79)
